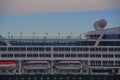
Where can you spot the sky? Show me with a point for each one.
(54, 16)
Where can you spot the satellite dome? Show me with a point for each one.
(98, 25)
(102, 23)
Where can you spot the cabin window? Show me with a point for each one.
(3, 55)
(58, 55)
(117, 63)
(98, 63)
(111, 36)
(98, 55)
(48, 49)
(44, 55)
(92, 63)
(19, 55)
(3, 49)
(92, 55)
(83, 55)
(117, 55)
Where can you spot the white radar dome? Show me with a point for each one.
(98, 25)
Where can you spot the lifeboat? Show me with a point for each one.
(69, 65)
(7, 64)
(36, 65)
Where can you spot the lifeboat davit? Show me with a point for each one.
(69, 65)
(7, 64)
(37, 65)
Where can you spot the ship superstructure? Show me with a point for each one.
(99, 53)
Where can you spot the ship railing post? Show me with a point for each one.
(89, 72)
(89, 62)
(51, 60)
(20, 67)
(52, 67)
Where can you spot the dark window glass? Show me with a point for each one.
(98, 55)
(44, 55)
(114, 49)
(16, 49)
(2, 43)
(51, 43)
(3, 55)
(29, 55)
(32, 55)
(58, 55)
(35, 49)
(3, 49)
(29, 49)
(73, 49)
(16, 55)
(73, 55)
(80, 55)
(110, 55)
(55, 49)
(35, 55)
(104, 49)
(92, 49)
(67, 55)
(111, 36)
(92, 55)
(41, 49)
(85, 49)
(10, 55)
(104, 56)
(48, 49)
(86, 55)
(117, 63)
(19, 55)
(94, 36)
(23, 49)
(10, 49)
(117, 55)
(109, 43)
(55, 55)
(110, 63)
(98, 63)
(67, 49)
(70, 55)
(105, 63)
(83, 55)
(92, 63)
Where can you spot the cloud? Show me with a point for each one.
(39, 6)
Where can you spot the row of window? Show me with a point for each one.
(25, 55)
(51, 43)
(63, 55)
(69, 49)
(93, 36)
(104, 63)
(2, 43)
(87, 55)
(25, 49)
(57, 49)
(111, 36)
(109, 43)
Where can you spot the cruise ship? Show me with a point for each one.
(98, 53)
